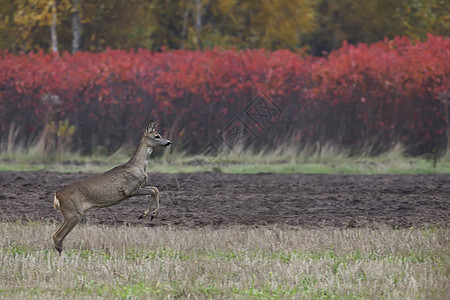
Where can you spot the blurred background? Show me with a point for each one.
(314, 26)
(299, 76)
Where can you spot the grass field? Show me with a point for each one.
(237, 263)
(279, 161)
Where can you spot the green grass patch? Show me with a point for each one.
(285, 159)
(241, 164)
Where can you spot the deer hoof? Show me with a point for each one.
(143, 216)
(59, 249)
(154, 214)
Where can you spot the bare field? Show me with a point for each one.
(222, 200)
(234, 237)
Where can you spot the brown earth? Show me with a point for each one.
(219, 200)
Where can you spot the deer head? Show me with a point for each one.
(153, 139)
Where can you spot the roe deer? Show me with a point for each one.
(112, 187)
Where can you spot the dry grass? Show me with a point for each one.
(287, 158)
(242, 263)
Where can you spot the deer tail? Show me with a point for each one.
(55, 202)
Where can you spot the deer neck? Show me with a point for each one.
(141, 156)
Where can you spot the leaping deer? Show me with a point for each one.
(114, 186)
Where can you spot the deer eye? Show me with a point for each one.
(157, 136)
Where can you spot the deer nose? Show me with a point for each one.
(168, 144)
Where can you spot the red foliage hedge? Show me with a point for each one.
(357, 96)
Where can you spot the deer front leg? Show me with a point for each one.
(154, 192)
(144, 214)
(144, 181)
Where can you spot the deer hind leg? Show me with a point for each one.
(70, 221)
(154, 193)
(72, 214)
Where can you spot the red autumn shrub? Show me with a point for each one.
(357, 97)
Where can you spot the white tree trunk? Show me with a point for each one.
(198, 21)
(76, 27)
(53, 29)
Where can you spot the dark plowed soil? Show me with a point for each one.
(219, 200)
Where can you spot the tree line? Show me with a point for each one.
(314, 26)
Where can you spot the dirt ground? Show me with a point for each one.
(220, 200)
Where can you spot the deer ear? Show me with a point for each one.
(155, 124)
(149, 126)
(152, 125)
